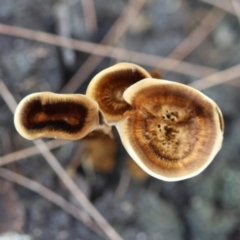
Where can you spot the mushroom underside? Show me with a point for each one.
(107, 89)
(56, 116)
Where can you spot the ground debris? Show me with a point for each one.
(12, 214)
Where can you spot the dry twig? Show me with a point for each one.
(217, 78)
(51, 196)
(197, 36)
(63, 29)
(89, 15)
(236, 7)
(107, 51)
(28, 152)
(222, 4)
(58, 169)
(113, 35)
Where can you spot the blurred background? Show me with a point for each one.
(189, 41)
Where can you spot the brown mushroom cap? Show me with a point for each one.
(173, 131)
(65, 116)
(107, 88)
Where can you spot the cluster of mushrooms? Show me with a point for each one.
(170, 130)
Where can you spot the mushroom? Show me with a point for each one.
(107, 88)
(155, 73)
(173, 131)
(137, 173)
(65, 116)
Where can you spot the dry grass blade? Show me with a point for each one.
(113, 35)
(58, 169)
(217, 78)
(28, 152)
(197, 36)
(107, 51)
(89, 15)
(49, 195)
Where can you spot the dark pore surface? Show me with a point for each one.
(64, 116)
(110, 89)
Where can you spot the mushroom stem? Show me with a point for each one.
(155, 73)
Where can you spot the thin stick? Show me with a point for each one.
(76, 192)
(235, 82)
(113, 35)
(123, 185)
(236, 7)
(51, 196)
(107, 51)
(30, 151)
(217, 78)
(63, 29)
(197, 36)
(7, 97)
(89, 14)
(58, 169)
(75, 161)
(224, 5)
(151, 60)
